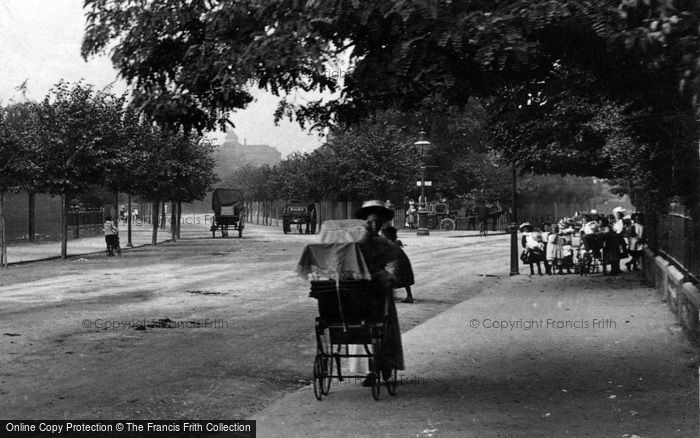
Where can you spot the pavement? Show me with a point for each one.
(28, 252)
(530, 356)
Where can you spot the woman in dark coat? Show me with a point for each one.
(613, 245)
(378, 253)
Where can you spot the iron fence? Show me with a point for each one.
(675, 234)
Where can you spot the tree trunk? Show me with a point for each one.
(3, 238)
(155, 221)
(173, 217)
(115, 216)
(30, 229)
(76, 234)
(162, 215)
(179, 218)
(128, 224)
(64, 226)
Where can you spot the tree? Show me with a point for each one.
(193, 173)
(75, 129)
(190, 64)
(419, 55)
(17, 154)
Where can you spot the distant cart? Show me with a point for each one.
(228, 209)
(302, 215)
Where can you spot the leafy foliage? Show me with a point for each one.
(619, 77)
(190, 63)
(76, 128)
(18, 146)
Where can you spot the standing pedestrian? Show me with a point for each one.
(613, 245)
(636, 242)
(401, 267)
(552, 253)
(533, 252)
(111, 236)
(482, 217)
(411, 214)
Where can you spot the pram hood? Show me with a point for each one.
(339, 254)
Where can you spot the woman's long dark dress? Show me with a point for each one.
(379, 252)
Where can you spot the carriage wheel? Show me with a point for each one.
(447, 224)
(322, 375)
(376, 384)
(328, 366)
(375, 368)
(324, 351)
(392, 382)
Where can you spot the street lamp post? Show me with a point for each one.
(422, 146)
(514, 266)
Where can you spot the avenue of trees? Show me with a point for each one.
(79, 138)
(604, 88)
(378, 159)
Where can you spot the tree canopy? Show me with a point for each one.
(614, 81)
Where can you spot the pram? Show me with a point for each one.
(351, 312)
(353, 309)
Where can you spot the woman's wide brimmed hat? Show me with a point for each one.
(524, 225)
(375, 207)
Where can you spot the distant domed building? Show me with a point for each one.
(233, 154)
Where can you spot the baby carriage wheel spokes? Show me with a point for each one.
(322, 375)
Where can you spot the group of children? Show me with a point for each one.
(552, 245)
(585, 241)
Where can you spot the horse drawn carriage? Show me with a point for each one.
(229, 211)
(444, 214)
(299, 214)
(440, 216)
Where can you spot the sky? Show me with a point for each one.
(40, 44)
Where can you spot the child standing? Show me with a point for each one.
(111, 236)
(403, 272)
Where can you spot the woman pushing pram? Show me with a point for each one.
(357, 314)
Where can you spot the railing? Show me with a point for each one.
(86, 217)
(675, 235)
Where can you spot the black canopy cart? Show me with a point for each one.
(299, 214)
(229, 211)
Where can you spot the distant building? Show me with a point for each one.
(232, 154)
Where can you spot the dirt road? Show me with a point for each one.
(200, 328)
